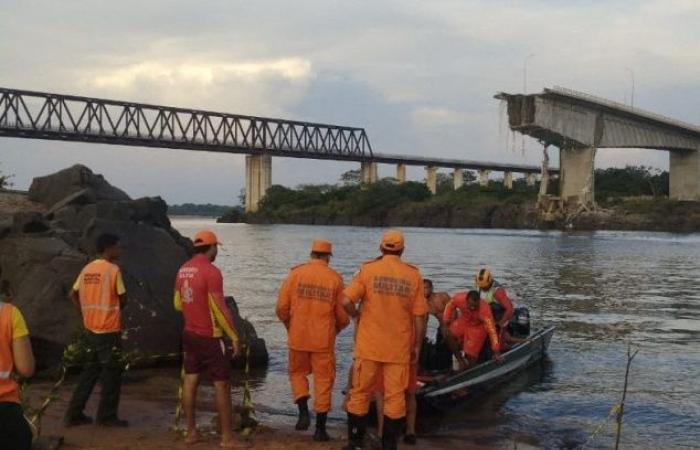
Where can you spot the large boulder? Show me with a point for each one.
(42, 253)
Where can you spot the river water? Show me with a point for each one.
(603, 291)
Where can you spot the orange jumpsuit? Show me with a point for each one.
(309, 305)
(473, 327)
(391, 296)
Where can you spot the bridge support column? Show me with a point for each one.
(684, 175)
(368, 172)
(508, 180)
(458, 178)
(258, 179)
(401, 173)
(484, 177)
(576, 174)
(431, 178)
(530, 179)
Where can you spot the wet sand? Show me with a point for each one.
(148, 402)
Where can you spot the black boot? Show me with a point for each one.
(304, 420)
(390, 436)
(320, 435)
(357, 425)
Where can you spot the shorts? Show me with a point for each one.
(206, 354)
(412, 381)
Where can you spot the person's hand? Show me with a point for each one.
(415, 354)
(498, 357)
(236, 348)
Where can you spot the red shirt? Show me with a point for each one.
(199, 294)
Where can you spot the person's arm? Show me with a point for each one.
(342, 319)
(219, 309)
(353, 294)
(22, 355)
(420, 316)
(490, 325)
(501, 297)
(448, 314)
(121, 290)
(75, 292)
(284, 303)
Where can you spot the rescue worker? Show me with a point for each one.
(309, 305)
(393, 308)
(100, 294)
(16, 359)
(495, 296)
(474, 324)
(445, 345)
(199, 295)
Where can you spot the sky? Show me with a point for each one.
(419, 76)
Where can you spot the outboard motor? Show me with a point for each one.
(519, 324)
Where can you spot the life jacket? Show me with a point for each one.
(9, 390)
(99, 301)
(488, 296)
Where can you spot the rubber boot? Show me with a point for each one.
(320, 434)
(390, 436)
(304, 420)
(357, 426)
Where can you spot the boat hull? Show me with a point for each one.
(461, 387)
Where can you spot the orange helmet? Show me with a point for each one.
(205, 237)
(483, 279)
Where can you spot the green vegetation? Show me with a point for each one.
(5, 180)
(632, 181)
(191, 209)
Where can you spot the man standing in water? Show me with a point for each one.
(393, 308)
(309, 305)
(100, 294)
(199, 294)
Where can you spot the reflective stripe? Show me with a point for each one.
(5, 375)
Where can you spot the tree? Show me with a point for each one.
(350, 177)
(5, 180)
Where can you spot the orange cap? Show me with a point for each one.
(320, 246)
(392, 240)
(205, 237)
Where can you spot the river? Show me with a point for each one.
(603, 291)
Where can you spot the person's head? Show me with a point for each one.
(5, 291)
(107, 246)
(392, 243)
(206, 243)
(321, 250)
(483, 279)
(427, 287)
(472, 300)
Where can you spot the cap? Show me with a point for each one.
(320, 246)
(205, 237)
(392, 240)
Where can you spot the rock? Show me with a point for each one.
(42, 253)
(258, 351)
(53, 188)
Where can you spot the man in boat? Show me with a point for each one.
(445, 347)
(393, 308)
(473, 326)
(495, 296)
(199, 295)
(309, 305)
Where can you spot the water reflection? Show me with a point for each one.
(602, 290)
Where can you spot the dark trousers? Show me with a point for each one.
(104, 364)
(15, 433)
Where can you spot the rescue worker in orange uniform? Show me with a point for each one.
(474, 324)
(495, 296)
(309, 305)
(199, 295)
(16, 359)
(392, 309)
(100, 294)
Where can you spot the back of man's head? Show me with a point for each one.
(106, 241)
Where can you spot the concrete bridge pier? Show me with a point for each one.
(684, 175)
(484, 177)
(576, 165)
(258, 179)
(431, 178)
(401, 173)
(458, 178)
(368, 172)
(508, 180)
(530, 179)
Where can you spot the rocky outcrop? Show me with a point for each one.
(41, 254)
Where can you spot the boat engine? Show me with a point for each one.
(519, 324)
